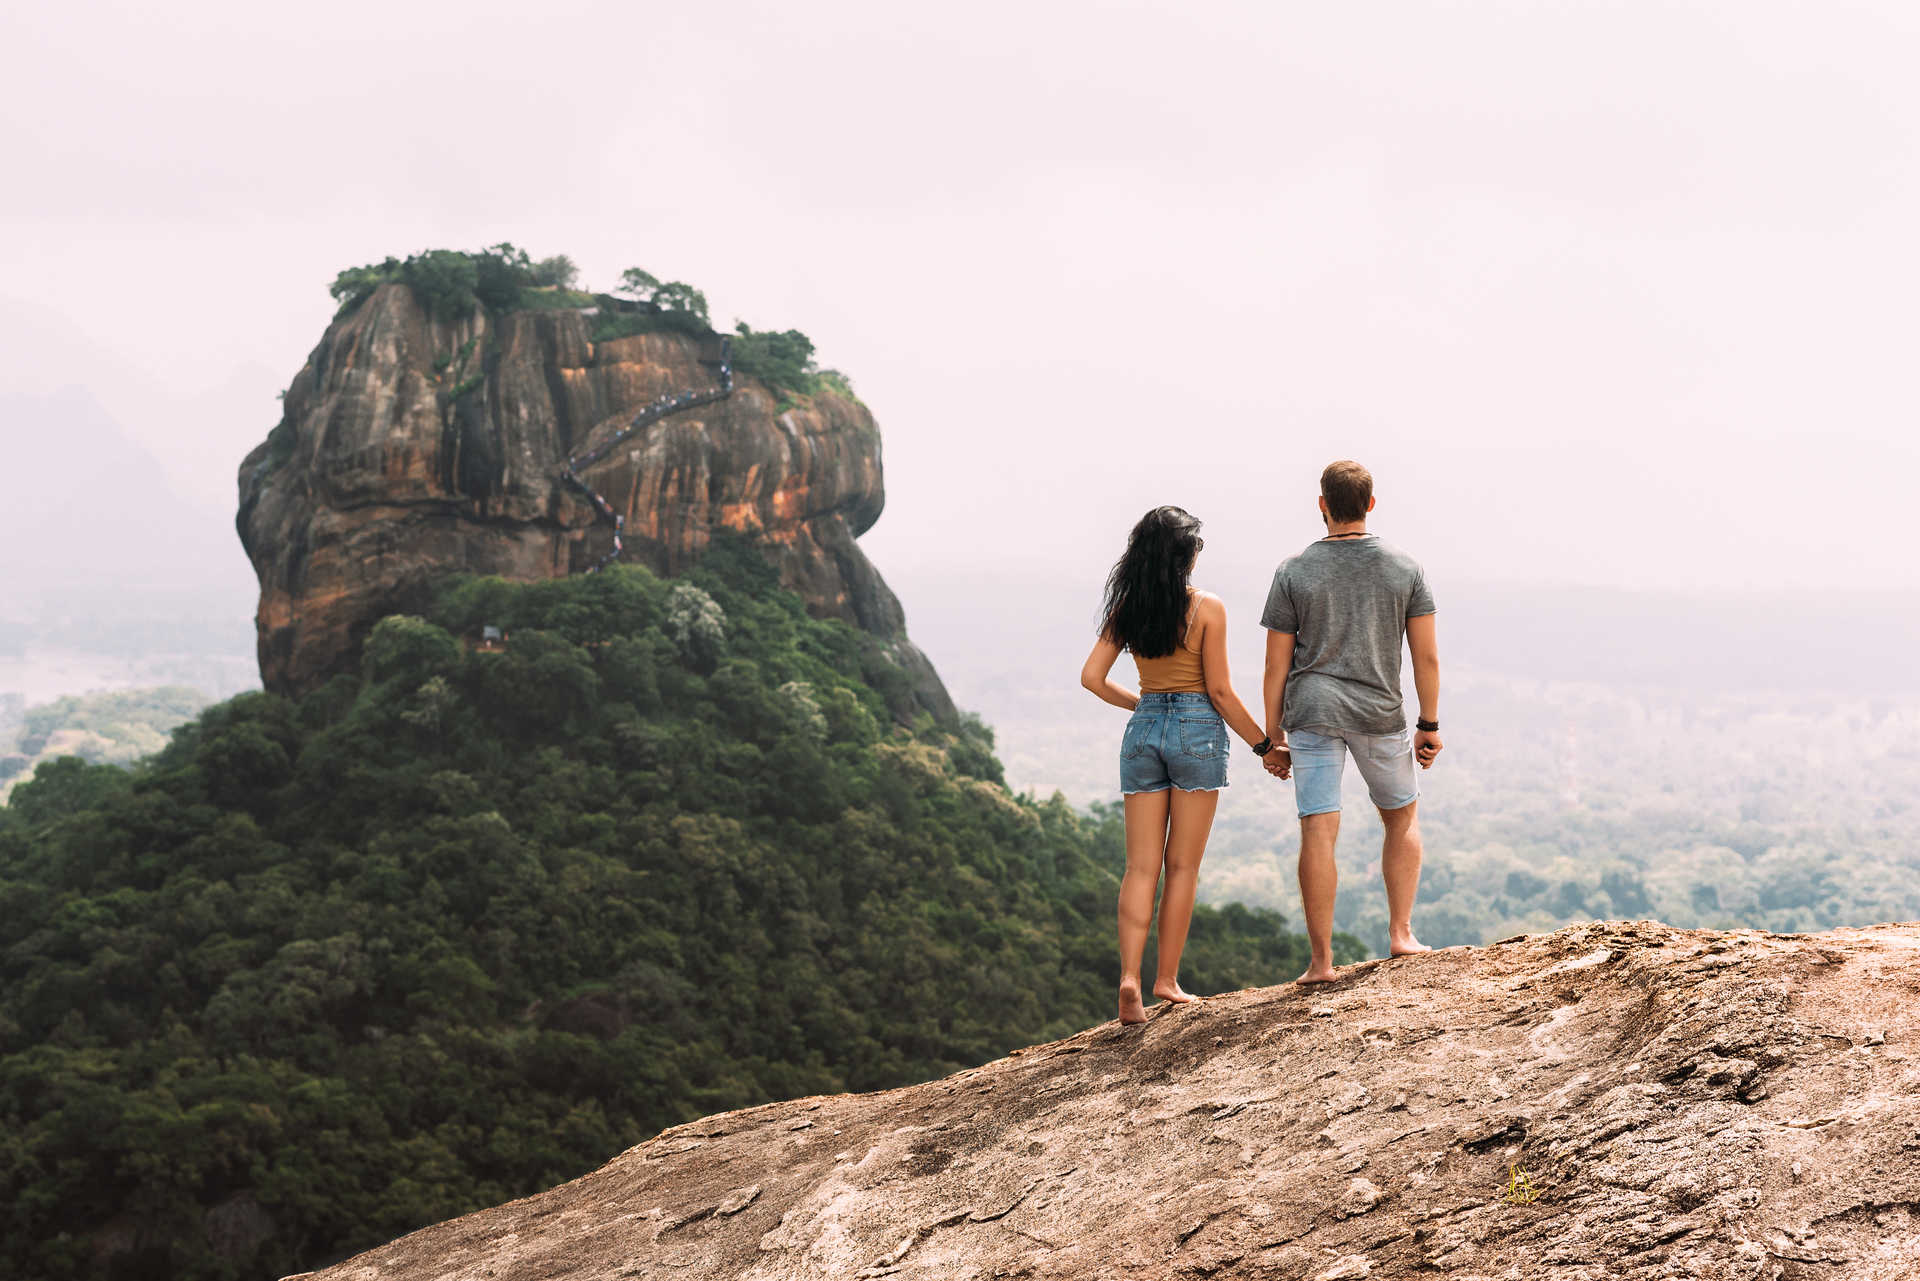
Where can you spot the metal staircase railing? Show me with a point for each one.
(647, 416)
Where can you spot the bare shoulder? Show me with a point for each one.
(1207, 606)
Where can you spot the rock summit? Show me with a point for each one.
(412, 447)
(1610, 1101)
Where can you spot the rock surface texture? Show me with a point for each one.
(412, 447)
(1685, 1104)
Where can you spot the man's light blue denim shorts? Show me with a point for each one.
(1174, 740)
(1320, 757)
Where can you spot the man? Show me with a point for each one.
(1335, 617)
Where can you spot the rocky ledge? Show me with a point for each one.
(1613, 1100)
(411, 447)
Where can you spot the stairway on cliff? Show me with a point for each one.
(673, 403)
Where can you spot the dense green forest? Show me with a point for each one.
(468, 923)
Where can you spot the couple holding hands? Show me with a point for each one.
(1336, 616)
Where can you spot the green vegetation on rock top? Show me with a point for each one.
(468, 923)
(448, 282)
(451, 283)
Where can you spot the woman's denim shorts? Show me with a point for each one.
(1174, 740)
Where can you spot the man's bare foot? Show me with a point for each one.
(1317, 974)
(1170, 990)
(1131, 1010)
(1405, 945)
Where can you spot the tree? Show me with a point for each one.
(674, 297)
(782, 359)
(638, 283)
(501, 271)
(444, 280)
(355, 284)
(681, 297)
(557, 271)
(406, 649)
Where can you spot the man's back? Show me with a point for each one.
(1347, 602)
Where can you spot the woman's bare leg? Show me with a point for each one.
(1146, 815)
(1187, 832)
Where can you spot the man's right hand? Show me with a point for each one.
(1426, 746)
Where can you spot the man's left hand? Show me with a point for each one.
(1426, 746)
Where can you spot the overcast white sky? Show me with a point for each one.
(1605, 293)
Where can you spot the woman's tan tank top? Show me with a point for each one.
(1177, 673)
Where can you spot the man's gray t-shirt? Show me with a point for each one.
(1347, 603)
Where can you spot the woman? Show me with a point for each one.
(1173, 757)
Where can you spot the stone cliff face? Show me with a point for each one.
(411, 448)
(1614, 1100)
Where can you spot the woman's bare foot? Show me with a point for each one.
(1170, 990)
(1317, 974)
(1405, 944)
(1131, 1010)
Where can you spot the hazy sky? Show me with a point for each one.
(1605, 293)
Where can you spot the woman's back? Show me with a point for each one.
(1180, 672)
(1173, 754)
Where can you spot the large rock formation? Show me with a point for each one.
(1613, 1100)
(412, 447)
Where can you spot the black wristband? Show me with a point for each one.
(1427, 727)
(1264, 746)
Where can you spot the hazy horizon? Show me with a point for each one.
(1608, 300)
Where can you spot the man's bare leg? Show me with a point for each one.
(1146, 816)
(1318, 882)
(1400, 868)
(1186, 842)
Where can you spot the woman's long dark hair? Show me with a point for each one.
(1146, 605)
